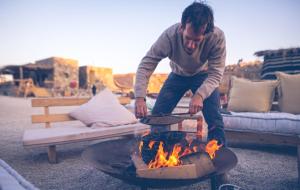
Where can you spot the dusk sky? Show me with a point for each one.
(117, 34)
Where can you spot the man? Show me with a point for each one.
(196, 49)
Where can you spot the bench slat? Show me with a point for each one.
(124, 100)
(47, 102)
(51, 118)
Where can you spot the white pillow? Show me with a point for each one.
(105, 110)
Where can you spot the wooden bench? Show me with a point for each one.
(50, 136)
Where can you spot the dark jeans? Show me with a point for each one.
(173, 90)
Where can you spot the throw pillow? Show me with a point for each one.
(289, 92)
(103, 109)
(249, 96)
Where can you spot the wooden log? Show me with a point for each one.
(138, 162)
(202, 161)
(176, 172)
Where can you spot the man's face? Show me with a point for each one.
(192, 40)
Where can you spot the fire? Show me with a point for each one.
(151, 143)
(172, 158)
(162, 159)
(140, 147)
(146, 133)
(211, 148)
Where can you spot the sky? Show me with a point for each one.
(117, 34)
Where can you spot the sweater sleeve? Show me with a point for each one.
(216, 65)
(159, 50)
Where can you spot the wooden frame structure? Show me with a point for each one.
(49, 118)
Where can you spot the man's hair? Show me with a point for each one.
(198, 14)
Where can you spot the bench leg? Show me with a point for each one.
(52, 154)
(298, 163)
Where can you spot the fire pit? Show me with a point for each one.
(174, 155)
(115, 158)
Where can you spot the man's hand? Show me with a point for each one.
(196, 104)
(140, 108)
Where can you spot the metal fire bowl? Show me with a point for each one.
(114, 158)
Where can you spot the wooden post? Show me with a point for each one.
(180, 128)
(46, 109)
(199, 127)
(52, 154)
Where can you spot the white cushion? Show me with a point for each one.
(104, 109)
(274, 122)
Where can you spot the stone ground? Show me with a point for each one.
(258, 167)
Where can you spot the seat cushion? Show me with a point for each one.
(67, 134)
(273, 122)
(249, 96)
(289, 92)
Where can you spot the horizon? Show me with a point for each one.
(114, 34)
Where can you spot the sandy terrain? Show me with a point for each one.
(258, 167)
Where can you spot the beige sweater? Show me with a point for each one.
(208, 58)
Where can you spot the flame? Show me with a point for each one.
(172, 158)
(146, 133)
(211, 148)
(162, 159)
(140, 147)
(151, 143)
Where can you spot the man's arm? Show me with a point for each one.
(216, 66)
(159, 50)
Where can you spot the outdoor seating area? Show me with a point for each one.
(148, 95)
(265, 109)
(83, 134)
(271, 166)
(251, 118)
(261, 121)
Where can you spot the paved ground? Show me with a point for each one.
(258, 167)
